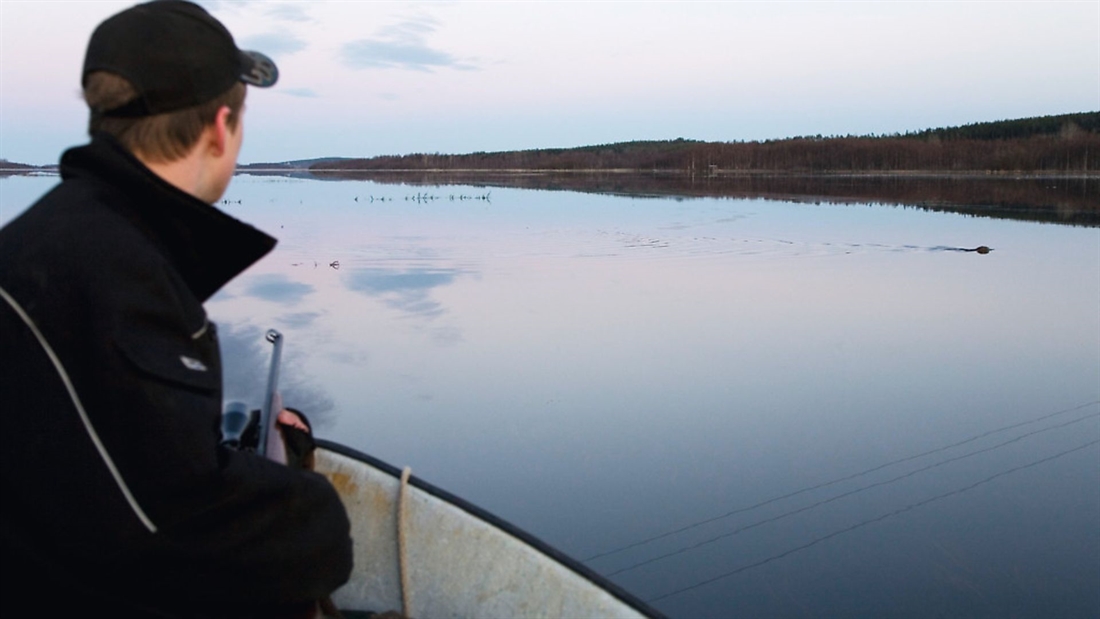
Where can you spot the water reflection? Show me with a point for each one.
(863, 487)
(277, 288)
(1068, 200)
(246, 357)
(604, 369)
(299, 320)
(408, 291)
(849, 529)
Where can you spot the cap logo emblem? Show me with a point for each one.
(263, 72)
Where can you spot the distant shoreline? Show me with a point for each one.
(1065, 198)
(965, 174)
(1061, 146)
(1071, 198)
(962, 174)
(1053, 145)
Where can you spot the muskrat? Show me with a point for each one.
(981, 249)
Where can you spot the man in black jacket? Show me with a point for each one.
(117, 499)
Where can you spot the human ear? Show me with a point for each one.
(219, 138)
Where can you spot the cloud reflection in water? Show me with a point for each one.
(298, 320)
(246, 357)
(406, 290)
(277, 288)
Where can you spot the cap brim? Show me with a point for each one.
(258, 70)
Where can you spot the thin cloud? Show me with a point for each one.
(304, 93)
(410, 28)
(216, 5)
(447, 336)
(274, 43)
(289, 12)
(281, 11)
(378, 54)
(401, 46)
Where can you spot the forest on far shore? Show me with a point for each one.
(1064, 144)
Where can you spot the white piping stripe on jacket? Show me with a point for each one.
(80, 410)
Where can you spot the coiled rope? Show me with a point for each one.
(402, 567)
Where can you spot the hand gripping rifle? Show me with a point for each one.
(245, 430)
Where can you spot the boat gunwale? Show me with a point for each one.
(480, 513)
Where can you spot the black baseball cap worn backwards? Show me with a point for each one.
(175, 54)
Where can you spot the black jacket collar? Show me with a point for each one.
(207, 246)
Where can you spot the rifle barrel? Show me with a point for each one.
(267, 415)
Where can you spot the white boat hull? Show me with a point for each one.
(459, 560)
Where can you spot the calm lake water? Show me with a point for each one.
(802, 410)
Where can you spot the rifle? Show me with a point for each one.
(272, 402)
(247, 430)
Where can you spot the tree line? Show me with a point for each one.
(1068, 143)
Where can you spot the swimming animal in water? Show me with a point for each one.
(981, 249)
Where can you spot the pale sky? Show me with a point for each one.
(369, 78)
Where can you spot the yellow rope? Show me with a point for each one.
(402, 568)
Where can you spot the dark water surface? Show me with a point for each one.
(808, 410)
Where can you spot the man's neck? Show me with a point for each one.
(206, 169)
(183, 174)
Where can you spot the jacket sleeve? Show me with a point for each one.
(266, 535)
